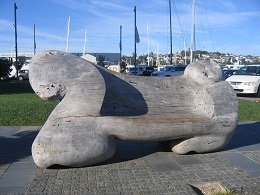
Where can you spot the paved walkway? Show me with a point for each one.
(137, 168)
(250, 98)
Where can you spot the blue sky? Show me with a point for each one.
(230, 26)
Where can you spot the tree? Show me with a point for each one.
(183, 53)
(5, 67)
(101, 60)
(135, 57)
(21, 62)
(142, 59)
(123, 66)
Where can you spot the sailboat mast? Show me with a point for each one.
(170, 7)
(193, 31)
(68, 35)
(85, 41)
(148, 52)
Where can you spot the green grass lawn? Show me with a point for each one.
(248, 110)
(24, 110)
(20, 106)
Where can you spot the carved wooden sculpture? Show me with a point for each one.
(196, 111)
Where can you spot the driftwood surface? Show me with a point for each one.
(195, 112)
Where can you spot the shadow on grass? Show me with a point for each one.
(14, 87)
(16, 147)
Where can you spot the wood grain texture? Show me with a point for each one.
(195, 112)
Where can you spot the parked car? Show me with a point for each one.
(148, 70)
(4, 78)
(228, 72)
(246, 80)
(131, 70)
(23, 74)
(170, 71)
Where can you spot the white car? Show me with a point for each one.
(170, 71)
(23, 74)
(246, 80)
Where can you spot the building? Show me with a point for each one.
(90, 58)
(115, 68)
(25, 56)
(113, 58)
(109, 58)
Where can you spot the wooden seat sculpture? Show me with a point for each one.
(195, 112)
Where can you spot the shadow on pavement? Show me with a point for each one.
(246, 137)
(16, 147)
(130, 150)
(247, 134)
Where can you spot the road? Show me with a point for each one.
(248, 97)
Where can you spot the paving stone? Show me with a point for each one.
(153, 171)
(163, 164)
(246, 164)
(186, 160)
(8, 130)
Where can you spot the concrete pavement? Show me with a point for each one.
(248, 97)
(136, 168)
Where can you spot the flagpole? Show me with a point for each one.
(34, 40)
(135, 40)
(148, 38)
(120, 45)
(16, 52)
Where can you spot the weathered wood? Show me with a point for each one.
(196, 111)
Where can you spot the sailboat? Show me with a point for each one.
(192, 34)
(155, 49)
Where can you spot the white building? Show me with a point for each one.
(90, 58)
(26, 56)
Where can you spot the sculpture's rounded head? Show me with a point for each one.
(204, 72)
(52, 72)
